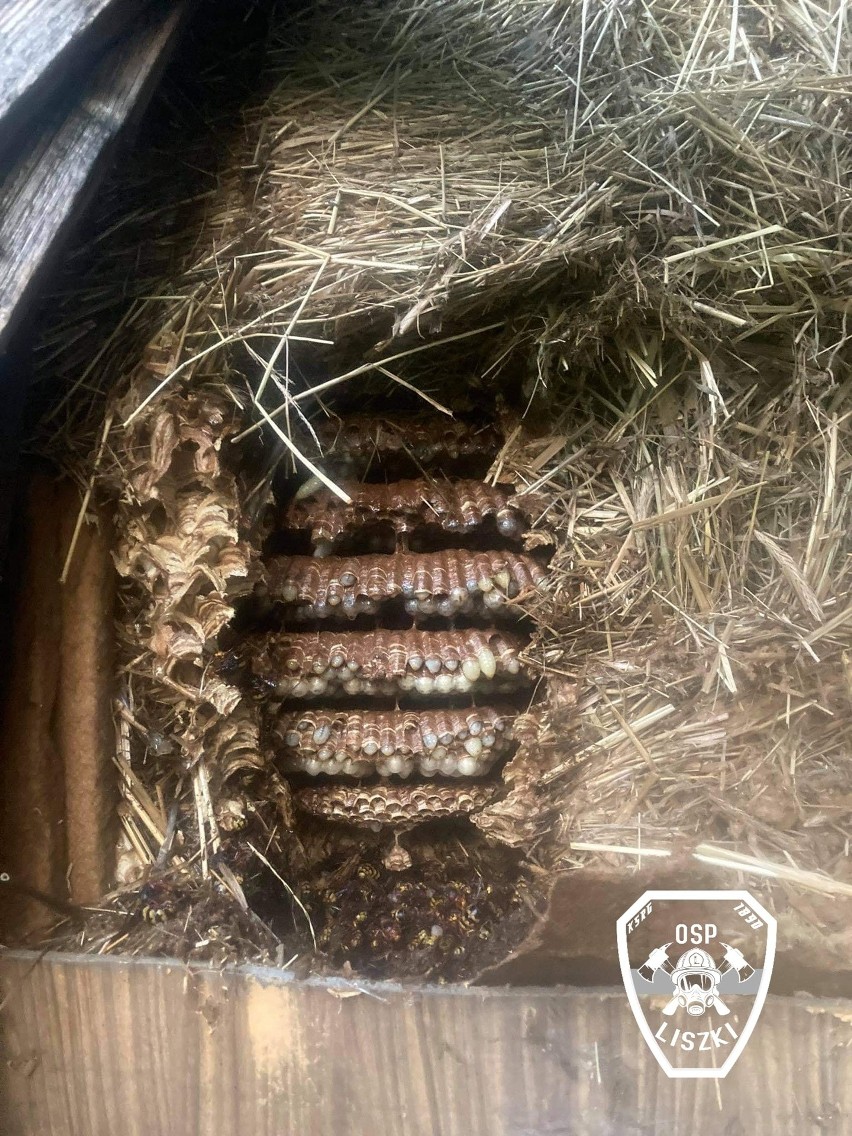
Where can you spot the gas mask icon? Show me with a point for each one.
(696, 981)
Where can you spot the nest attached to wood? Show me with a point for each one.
(625, 221)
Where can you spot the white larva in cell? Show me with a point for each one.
(487, 662)
(468, 766)
(423, 684)
(317, 685)
(471, 669)
(473, 746)
(488, 739)
(415, 662)
(444, 683)
(322, 733)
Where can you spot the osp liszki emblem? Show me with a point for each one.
(696, 967)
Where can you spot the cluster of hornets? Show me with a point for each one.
(383, 647)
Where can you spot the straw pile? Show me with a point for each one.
(630, 222)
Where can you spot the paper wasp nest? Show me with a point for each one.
(385, 651)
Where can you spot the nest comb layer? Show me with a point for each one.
(449, 583)
(448, 754)
(304, 665)
(461, 506)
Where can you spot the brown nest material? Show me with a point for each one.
(626, 221)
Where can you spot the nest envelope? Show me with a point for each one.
(619, 231)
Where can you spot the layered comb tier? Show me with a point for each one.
(404, 507)
(394, 805)
(425, 440)
(407, 715)
(450, 583)
(311, 664)
(450, 743)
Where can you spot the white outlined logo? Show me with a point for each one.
(696, 967)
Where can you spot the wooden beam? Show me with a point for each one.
(98, 1046)
(45, 192)
(41, 41)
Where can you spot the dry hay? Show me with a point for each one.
(629, 220)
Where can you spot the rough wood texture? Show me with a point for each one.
(57, 783)
(42, 194)
(41, 39)
(99, 1046)
(32, 836)
(84, 727)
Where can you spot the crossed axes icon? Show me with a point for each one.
(659, 959)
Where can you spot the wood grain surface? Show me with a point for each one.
(57, 738)
(35, 34)
(142, 1048)
(47, 188)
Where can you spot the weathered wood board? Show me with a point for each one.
(42, 40)
(45, 191)
(101, 1046)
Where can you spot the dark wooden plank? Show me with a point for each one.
(42, 195)
(100, 1046)
(40, 40)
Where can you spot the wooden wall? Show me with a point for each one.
(97, 1047)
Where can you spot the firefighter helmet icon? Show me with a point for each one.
(696, 977)
(696, 980)
(696, 996)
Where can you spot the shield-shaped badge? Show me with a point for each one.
(696, 967)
